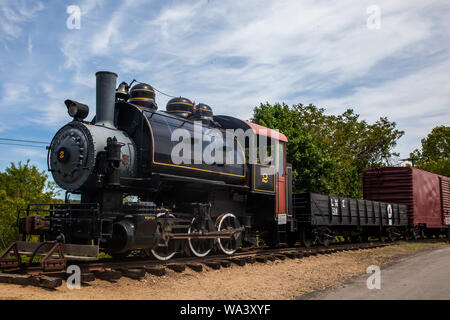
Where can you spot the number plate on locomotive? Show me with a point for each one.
(282, 218)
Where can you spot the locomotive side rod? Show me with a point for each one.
(206, 235)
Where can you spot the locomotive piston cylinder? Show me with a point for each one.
(105, 98)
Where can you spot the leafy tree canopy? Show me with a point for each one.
(21, 185)
(329, 152)
(434, 155)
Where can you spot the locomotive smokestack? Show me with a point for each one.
(106, 98)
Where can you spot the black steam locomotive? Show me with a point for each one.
(126, 152)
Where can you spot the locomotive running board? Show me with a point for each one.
(55, 255)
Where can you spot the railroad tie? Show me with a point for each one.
(250, 259)
(291, 255)
(271, 257)
(22, 279)
(238, 261)
(225, 263)
(133, 273)
(26, 279)
(195, 266)
(213, 264)
(48, 282)
(156, 271)
(262, 259)
(108, 275)
(177, 267)
(280, 256)
(87, 277)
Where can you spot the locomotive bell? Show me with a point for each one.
(143, 95)
(122, 91)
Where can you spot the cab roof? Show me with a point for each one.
(235, 123)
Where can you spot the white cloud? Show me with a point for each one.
(14, 92)
(286, 45)
(54, 114)
(14, 14)
(31, 153)
(417, 102)
(234, 55)
(30, 45)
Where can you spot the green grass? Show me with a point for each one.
(103, 255)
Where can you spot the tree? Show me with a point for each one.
(328, 152)
(435, 153)
(21, 185)
(308, 161)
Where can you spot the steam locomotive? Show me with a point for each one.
(126, 151)
(193, 207)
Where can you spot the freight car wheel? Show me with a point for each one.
(392, 234)
(415, 234)
(292, 238)
(199, 247)
(307, 238)
(325, 236)
(228, 221)
(325, 240)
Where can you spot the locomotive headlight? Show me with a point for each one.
(77, 110)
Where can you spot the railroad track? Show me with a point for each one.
(112, 270)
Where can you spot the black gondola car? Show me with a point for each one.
(322, 217)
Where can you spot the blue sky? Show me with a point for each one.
(231, 55)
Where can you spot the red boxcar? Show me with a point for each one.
(427, 195)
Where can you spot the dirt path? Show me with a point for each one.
(286, 279)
